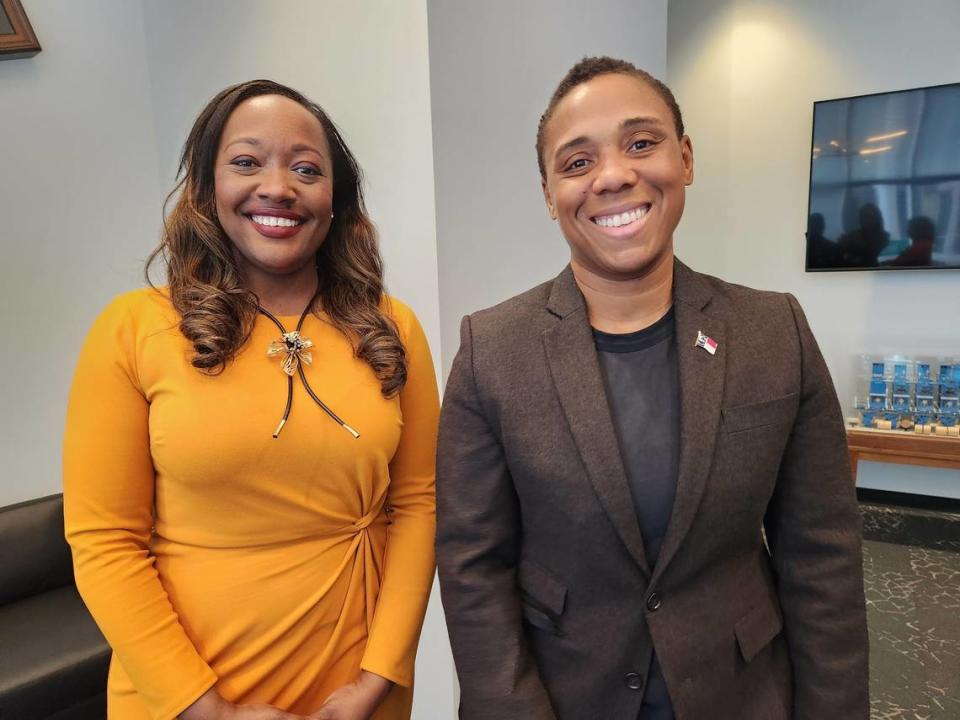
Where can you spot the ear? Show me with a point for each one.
(551, 208)
(686, 154)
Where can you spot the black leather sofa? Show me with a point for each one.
(53, 659)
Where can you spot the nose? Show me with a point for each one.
(615, 174)
(275, 185)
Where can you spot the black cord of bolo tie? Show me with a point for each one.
(303, 379)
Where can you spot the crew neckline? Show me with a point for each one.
(643, 339)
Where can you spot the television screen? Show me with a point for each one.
(885, 181)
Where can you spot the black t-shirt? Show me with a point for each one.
(643, 390)
(640, 376)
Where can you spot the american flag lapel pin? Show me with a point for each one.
(707, 343)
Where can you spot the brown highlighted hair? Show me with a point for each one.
(586, 70)
(217, 312)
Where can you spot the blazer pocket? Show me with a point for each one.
(757, 628)
(539, 619)
(543, 598)
(768, 412)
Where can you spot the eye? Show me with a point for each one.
(308, 171)
(641, 144)
(243, 162)
(578, 164)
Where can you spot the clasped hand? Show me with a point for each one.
(354, 701)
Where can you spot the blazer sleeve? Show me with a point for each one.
(409, 562)
(478, 547)
(108, 486)
(814, 531)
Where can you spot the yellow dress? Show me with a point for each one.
(210, 553)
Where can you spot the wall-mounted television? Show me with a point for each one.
(885, 181)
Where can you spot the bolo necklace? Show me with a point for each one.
(295, 351)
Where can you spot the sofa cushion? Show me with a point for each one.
(34, 556)
(54, 656)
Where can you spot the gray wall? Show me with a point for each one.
(91, 145)
(746, 73)
(89, 151)
(80, 197)
(365, 62)
(493, 67)
(89, 137)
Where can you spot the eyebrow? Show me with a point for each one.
(628, 124)
(645, 121)
(242, 141)
(570, 144)
(306, 148)
(256, 143)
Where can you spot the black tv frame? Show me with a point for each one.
(881, 268)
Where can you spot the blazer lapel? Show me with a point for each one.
(575, 369)
(701, 395)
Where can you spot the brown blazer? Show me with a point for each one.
(550, 603)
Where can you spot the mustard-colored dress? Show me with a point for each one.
(210, 553)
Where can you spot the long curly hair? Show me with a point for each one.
(217, 312)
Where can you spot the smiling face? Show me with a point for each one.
(273, 186)
(616, 174)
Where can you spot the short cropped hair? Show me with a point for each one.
(586, 70)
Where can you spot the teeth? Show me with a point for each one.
(624, 218)
(274, 221)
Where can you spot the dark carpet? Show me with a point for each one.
(911, 563)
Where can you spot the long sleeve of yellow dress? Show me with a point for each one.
(108, 501)
(409, 565)
(211, 553)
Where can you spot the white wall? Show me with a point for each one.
(100, 114)
(493, 67)
(746, 73)
(80, 200)
(365, 63)
(91, 149)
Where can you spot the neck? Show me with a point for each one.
(627, 305)
(284, 294)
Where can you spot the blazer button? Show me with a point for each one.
(634, 681)
(653, 602)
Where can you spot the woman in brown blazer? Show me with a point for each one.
(645, 507)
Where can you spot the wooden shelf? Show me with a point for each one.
(903, 448)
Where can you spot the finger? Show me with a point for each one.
(266, 712)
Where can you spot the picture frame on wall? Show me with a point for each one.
(17, 39)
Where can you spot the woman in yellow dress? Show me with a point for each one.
(249, 451)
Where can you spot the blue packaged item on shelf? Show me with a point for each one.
(878, 386)
(949, 379)
(892, 417)
(901, 381)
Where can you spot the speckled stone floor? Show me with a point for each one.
(912, 580)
